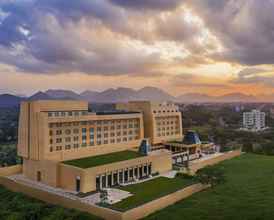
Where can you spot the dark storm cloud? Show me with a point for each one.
(244, 27)
(42, 36)
(148, 4)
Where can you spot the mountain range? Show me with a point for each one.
(127, 94)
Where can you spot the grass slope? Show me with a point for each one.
(16, 206)
(248, 194)
(150, 190)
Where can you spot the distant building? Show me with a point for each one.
(254, 120)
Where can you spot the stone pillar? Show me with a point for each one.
(101, 181)
(106, 180)
(112, 178)
(123, 172)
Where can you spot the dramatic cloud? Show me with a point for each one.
(148, 4)
(245, 28)
(254, 76)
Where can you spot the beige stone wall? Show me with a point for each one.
(161, 163)
(11, 170)
(194, 166)
(48, 169)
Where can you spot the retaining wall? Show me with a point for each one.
(11, 170)
(194, 166)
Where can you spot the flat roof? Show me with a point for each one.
(116, 113)
(99, 160)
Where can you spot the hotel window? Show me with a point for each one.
(130, 126)
(91, 130)
(75, 123)
(105, 135)
(75, 145)
(118, 133)
(58, 148)
(83, 122)
(50, 141)
(99, 129)
(70, 113)
(105, 128)
(63, 113)
(125, 127)
(84, 138)
(76, 113)
(59, 140)
(84, 130)
(112, 141)
(75, 138)
(118, 140)
(56, 114)
(58, 132)
(68, 139)
(75, 131)
(118, 126)
(105, 122)
(112, 134)
(67, 147)
(50, 133)
(112, 127)
(51, 149)
(124, 139)
(50, 114)
(125, 133)
(105, 141)
(99, 136)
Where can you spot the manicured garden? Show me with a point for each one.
(247, 194)
(16, 206)
(150, 190)
(94, 161)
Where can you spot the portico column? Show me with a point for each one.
(123, 172)
(101, 181)
(112, 178)
(106, 180)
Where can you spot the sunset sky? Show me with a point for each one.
(198, 46)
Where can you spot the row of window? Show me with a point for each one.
(164, 111)
(94, 122)
(163, 134)
(91, 143)
(67, 113)
(90, 130)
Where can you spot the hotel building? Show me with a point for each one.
(162, 121)
(254, 120)
(65, 145)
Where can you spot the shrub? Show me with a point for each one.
(210, 175)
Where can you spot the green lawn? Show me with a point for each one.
(150, 190)
(248, 194)
(16, 206)
(94, 161)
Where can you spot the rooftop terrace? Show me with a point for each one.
(99, 160)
